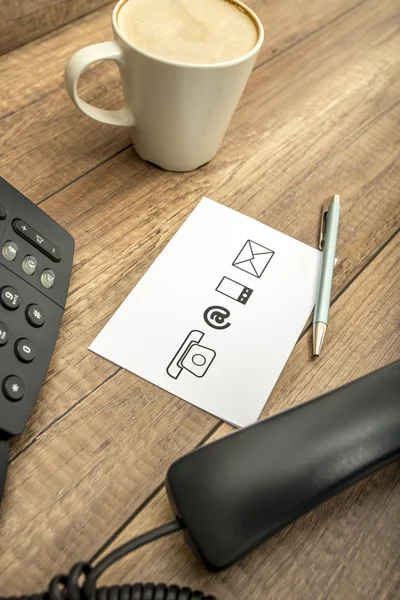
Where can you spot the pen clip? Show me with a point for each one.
(325, 209)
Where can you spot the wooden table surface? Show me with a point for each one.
(320, 115)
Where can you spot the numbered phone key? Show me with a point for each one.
(4, 334)
(9, 298)
(24, 350)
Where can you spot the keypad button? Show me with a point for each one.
(29, 264)
(37, 239)
(35, 315)
(10, 251)
(13, 388)
(4, 334)
(3, 212)
(48, 277)
(9, 297)
(25, 350)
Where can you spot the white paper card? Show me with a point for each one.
(217, 315)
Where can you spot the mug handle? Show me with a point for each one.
(78, 63)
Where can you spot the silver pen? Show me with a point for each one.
(328, 238)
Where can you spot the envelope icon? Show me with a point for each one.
(253, 258)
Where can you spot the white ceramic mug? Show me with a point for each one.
(178, 112)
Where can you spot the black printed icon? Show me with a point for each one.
(192, 357)
(216, 316)
(233, 289)
(253, 258)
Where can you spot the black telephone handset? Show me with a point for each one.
(233, 494)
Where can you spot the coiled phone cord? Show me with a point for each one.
(80, 583)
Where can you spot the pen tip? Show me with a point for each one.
(319, 330)
(336, 199)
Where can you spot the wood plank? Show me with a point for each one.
(76, 523)
(21, 22)
(50, 143)
(92, 469)
(76, 471)
(348, 547)
(291, 23)
(121, 220)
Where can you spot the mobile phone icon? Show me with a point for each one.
(233, 289)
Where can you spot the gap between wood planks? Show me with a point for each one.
(367, 125)
(74, 166)
(23, 18)
(117, 370)
(215, 428)
(262, 63)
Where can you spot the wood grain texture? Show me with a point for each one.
(292, 22)
(317, 541)
(25, 20)
(123, 213)
(320, 115)
(50, 143)
(346, 549)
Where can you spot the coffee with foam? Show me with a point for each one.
(189, 31)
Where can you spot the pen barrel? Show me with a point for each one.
(321, 312)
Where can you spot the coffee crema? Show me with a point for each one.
(189, 31)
